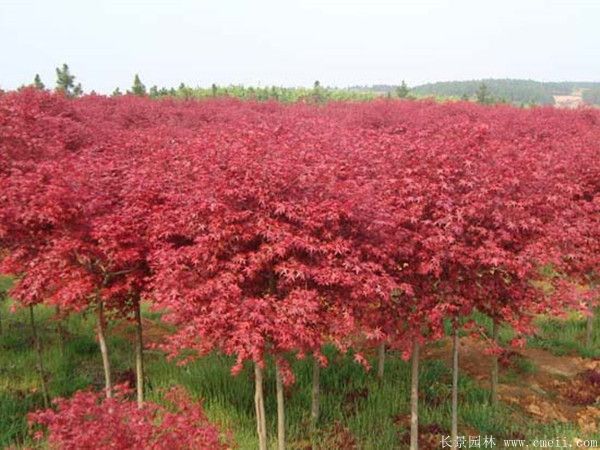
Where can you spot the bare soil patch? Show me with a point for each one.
(568, 101)
(154, 332)
(559, 388)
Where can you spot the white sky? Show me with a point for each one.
(291, 43)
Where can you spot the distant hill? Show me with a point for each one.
(515, 91)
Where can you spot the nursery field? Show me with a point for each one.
(216, 274)
(359, 410)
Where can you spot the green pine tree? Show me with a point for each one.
(402, 90)
(318, 94)
(37, 82)
(138, 87)
(117, 92)
(65, 82)
(77, 90)
(482, 94)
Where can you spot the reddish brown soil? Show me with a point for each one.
(154, 331)
(561, 388)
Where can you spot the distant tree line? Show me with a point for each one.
(567, 87)
(65, 83)
(317, 93)
(487, 91)
(510, 91)
(520, 92)
(591, 96)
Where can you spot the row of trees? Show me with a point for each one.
(318, 93)
(520, 92)
(268, 231)
(65, 83)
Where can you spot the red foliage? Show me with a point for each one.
(90, 421)
(269, 229)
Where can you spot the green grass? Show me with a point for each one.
(373, 413)
(567, 337)
(559, 336)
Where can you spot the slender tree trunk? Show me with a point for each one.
(259, 403)
(40, 360)
(100, 327)
(414, 398)
(380, 361)
(139, 356)
(315, 395)
(60, 331)
(589, 329)
(3, 297)
(494, 386)
(280, 409)
(455, 387)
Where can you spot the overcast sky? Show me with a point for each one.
(293, 43)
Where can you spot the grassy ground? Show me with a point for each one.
(357, 411)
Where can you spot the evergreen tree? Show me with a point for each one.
(65, 82)
(37, 82)
(154, 92)
(318, 92)
(77, 90)
(117, 92)
(402, 90)
(138, 87)
(482, 94)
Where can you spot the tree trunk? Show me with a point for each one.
(280, 409)
(40, 360)
(414, 398)
(60, 331)
(380, 361)
(100, 327)
(316, 388)
(494, 386)
(589, 329)
(455, 387)
(3, 297)
(139, 356)
(259, 403)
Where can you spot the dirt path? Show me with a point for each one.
(559, 388)
(155, 332)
